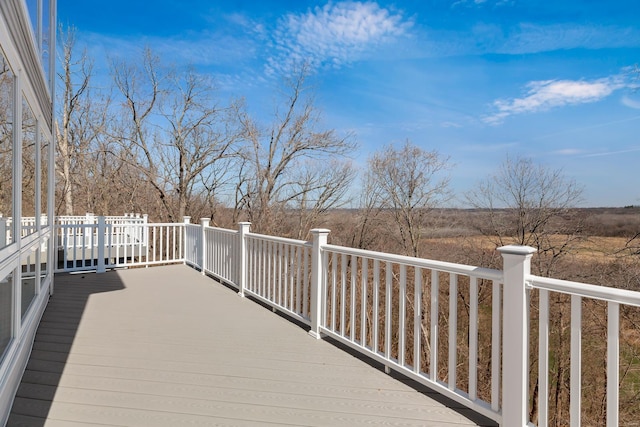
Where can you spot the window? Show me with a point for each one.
(32, 7)
(39, 11)
(6, 151)
(44, 179)
(6, 311)
(28, 279)
(44, 266)
(29, 126)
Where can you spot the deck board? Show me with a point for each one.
(166, 346)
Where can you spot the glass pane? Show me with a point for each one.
(32, 7)
(6, 151)
(45, 36)
(28, 279)
(44, 266)
(6, 312)
(44, 178)
(28, 169)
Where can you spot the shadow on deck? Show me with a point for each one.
(166, 346)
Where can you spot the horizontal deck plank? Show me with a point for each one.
(168, 346)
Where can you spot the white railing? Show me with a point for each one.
(600, 301)
(193, 245)
(101, 246)
(165, 244)
(28, 225)
(220, 253)
(407, 313)
(461, 330)
(75, 231)
(77, 247)
(278, 272)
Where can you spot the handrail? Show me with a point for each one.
(603, 293)
(222, 230)
(278, 239)
(480, 272)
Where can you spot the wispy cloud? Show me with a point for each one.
(488, 148)
(547, 94)
(481, 2)
(202, 49)
(532, 38)
(631, 102)
(450, 125)
(334, 35)
(587, 128)
(567, 152)
(522, 38)
(214, 54)
(612, 153)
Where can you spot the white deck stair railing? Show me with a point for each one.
(400, 311)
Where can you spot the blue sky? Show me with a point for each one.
(474, 79)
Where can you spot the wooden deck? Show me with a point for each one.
(166, 346)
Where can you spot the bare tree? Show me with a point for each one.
(318, 188)
(6, 140)
(411, 182)
(172, 130)
(530, 204)
(72, 133)
(29, 136)
(364, 233)
(275, 152)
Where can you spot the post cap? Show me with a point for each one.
(320, 231)
(517, 250)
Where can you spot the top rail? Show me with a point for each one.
(222, 230)
(449, 267)
(276, 239)
(603, 293)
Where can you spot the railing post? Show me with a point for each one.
(204, 222)
(319, 240)
(515, 366)
(102, 231)
(243, 229)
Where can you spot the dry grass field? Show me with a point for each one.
(600, 251)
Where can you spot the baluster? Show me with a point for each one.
(401, 314)
(417, 318)
(543, 359)
(453, 330)
(473, 338)
(576, 361)
(334, 299)
(435, 297)
(363, 305)
(613, 362)
(376, 302)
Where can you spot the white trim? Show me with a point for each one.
(23, 55)
(17, 355)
